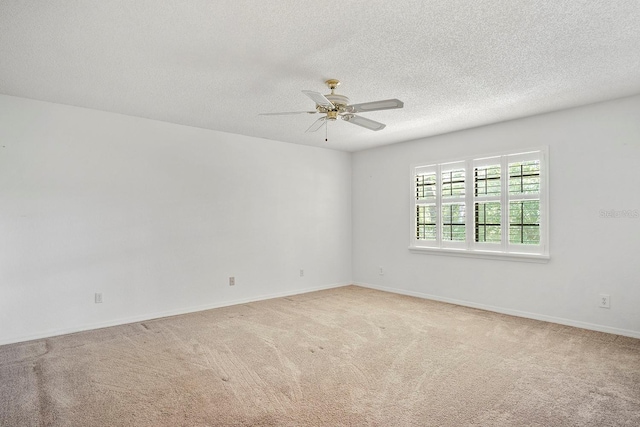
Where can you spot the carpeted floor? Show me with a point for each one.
(343, 357)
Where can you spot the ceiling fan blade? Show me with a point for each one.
(385, 104)
(316, 125)
(319, 98)
(361, 121)
(291, 112)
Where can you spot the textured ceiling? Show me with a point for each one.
(217, 64)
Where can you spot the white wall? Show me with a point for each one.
(156, 216)
(594, 166)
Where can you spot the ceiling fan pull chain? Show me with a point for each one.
(326, 131)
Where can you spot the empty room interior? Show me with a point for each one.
(295, 213)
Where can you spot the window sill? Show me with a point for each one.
(465, 253)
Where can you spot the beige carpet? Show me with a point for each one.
(344, 357)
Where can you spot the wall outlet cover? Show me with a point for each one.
(604, 301)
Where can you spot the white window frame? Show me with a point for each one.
(471, 248)
(442, 201)
(485, 162)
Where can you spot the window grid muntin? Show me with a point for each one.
(486, 178)
(522, 220)
(426, 186)
(453, 183)
(482, 225)
(524, 177)
(425, 228)
(453, 231)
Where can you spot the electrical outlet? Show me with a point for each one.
(98, 298)
(301, 273)
(232, 281)
(605, 301)
(381, 272)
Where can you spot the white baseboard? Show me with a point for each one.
(517, 313)
(150, 316)
(157, 315)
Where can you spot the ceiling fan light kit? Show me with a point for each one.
(334, 105)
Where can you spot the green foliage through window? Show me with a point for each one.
(524, 177)
(487, 181)
(488, 221)
(453, 183)
(524, 222)
(453, 222)
(426, 222)
(425, 186)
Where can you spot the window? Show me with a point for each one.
(492, 206)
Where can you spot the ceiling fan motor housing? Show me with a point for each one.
(339, 101)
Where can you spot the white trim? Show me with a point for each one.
(523, 157)
(485, 162)
(157, 315)
(484, 254)
(510, 312)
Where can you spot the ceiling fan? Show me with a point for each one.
(334, 105)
